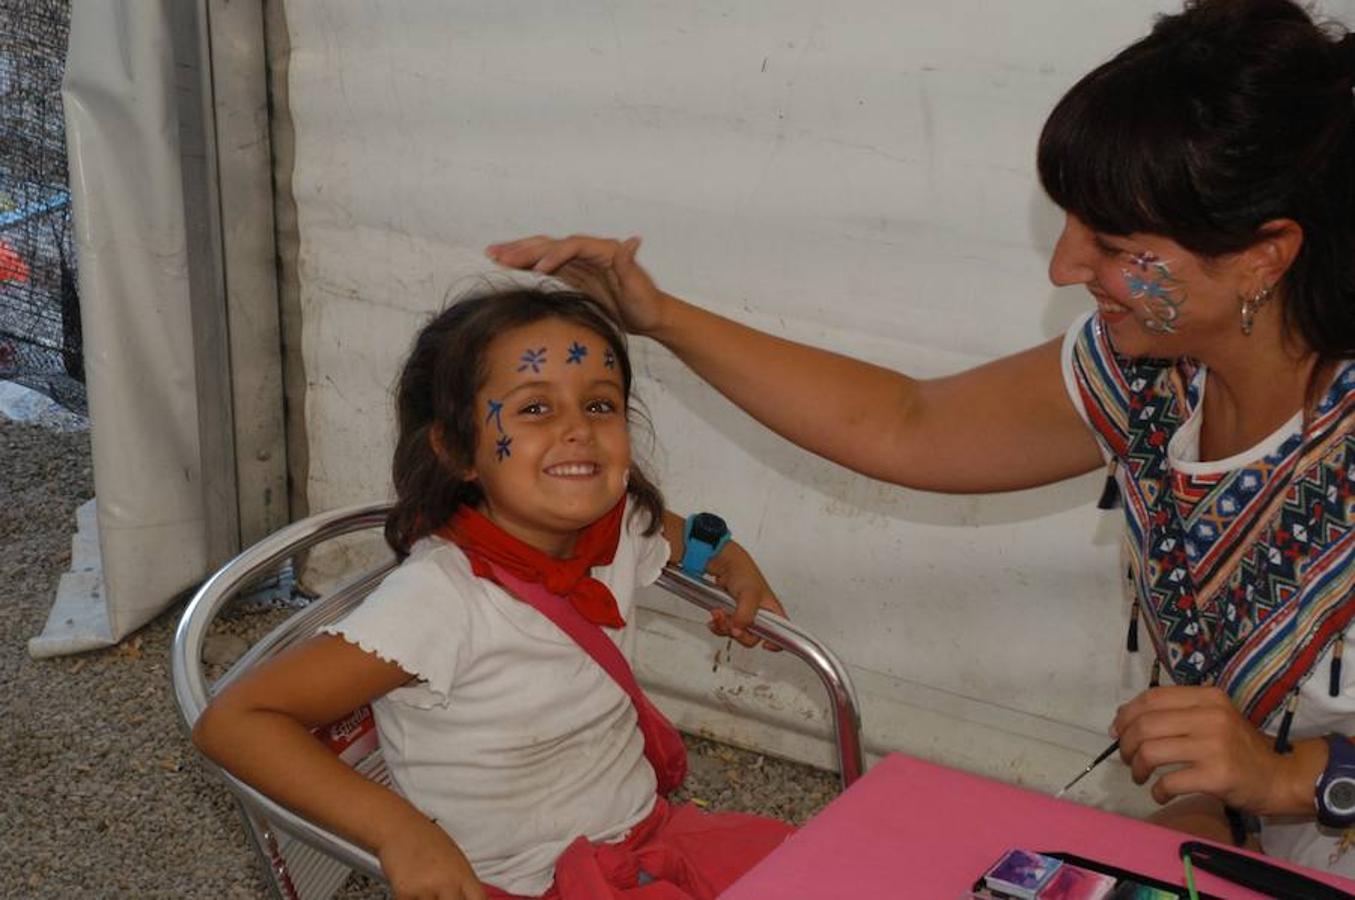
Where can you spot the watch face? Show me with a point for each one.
(1339, 797)
(708, 528)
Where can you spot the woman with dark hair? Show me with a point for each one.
(1207, 174)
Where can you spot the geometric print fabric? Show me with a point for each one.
(1242, 577)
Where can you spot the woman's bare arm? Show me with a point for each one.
(1005, 425)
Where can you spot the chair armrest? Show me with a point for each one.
(846, 711)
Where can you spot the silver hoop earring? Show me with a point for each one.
(1251, 304)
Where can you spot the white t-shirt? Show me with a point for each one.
(514, 739)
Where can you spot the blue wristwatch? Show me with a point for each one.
(1336, 786)
(702, 537)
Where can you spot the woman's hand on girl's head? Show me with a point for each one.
(1215, 751)
(422, 862)
(734, 570)
(601, 267)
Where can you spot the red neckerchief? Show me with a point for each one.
(484, 543)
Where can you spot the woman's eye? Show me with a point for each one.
(1107, 248)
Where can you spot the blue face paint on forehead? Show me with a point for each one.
(532, 359)
(577, 352)
(609, 358)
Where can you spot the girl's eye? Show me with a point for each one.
(601, 407)
(535, 408)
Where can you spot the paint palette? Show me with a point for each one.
(1026, 875)
(1021, 874)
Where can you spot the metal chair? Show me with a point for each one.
(304, 860)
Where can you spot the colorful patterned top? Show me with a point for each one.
(1242, 568)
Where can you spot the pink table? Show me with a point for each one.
(913, 829)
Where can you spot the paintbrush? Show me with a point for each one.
(1100, 758)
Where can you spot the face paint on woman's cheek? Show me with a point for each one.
(1156, 289)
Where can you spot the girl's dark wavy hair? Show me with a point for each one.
(1228, 115)
(435, 404)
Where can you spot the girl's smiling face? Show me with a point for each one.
(553, 450)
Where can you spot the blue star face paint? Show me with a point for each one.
(1150, 281)
(576, 354)
(495, 415)
(532, 359)
(501, 446)
(609, 358)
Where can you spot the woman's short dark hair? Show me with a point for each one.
(1228, 115)
(436, 417)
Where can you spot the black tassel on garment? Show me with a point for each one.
(1110, 494)
(1334, 686)
(1132, 642)
(1282, 744)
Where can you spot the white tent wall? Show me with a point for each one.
(859, 176)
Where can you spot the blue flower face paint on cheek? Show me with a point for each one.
(504, 442)
(1151, 282)
(495, 415)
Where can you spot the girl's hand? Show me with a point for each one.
(603, 268)
(735, 571)
(1218, 752)
(423, 863)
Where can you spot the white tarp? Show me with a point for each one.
(124, 156)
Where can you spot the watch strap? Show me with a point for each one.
(697, 551)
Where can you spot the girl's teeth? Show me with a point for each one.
(572, 469)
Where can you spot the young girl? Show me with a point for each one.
(519, 765)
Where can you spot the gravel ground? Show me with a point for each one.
(101, 794)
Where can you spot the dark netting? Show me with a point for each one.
(39, 304)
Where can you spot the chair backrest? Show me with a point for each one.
(305, 860)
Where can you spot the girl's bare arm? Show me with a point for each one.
(259, 730)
